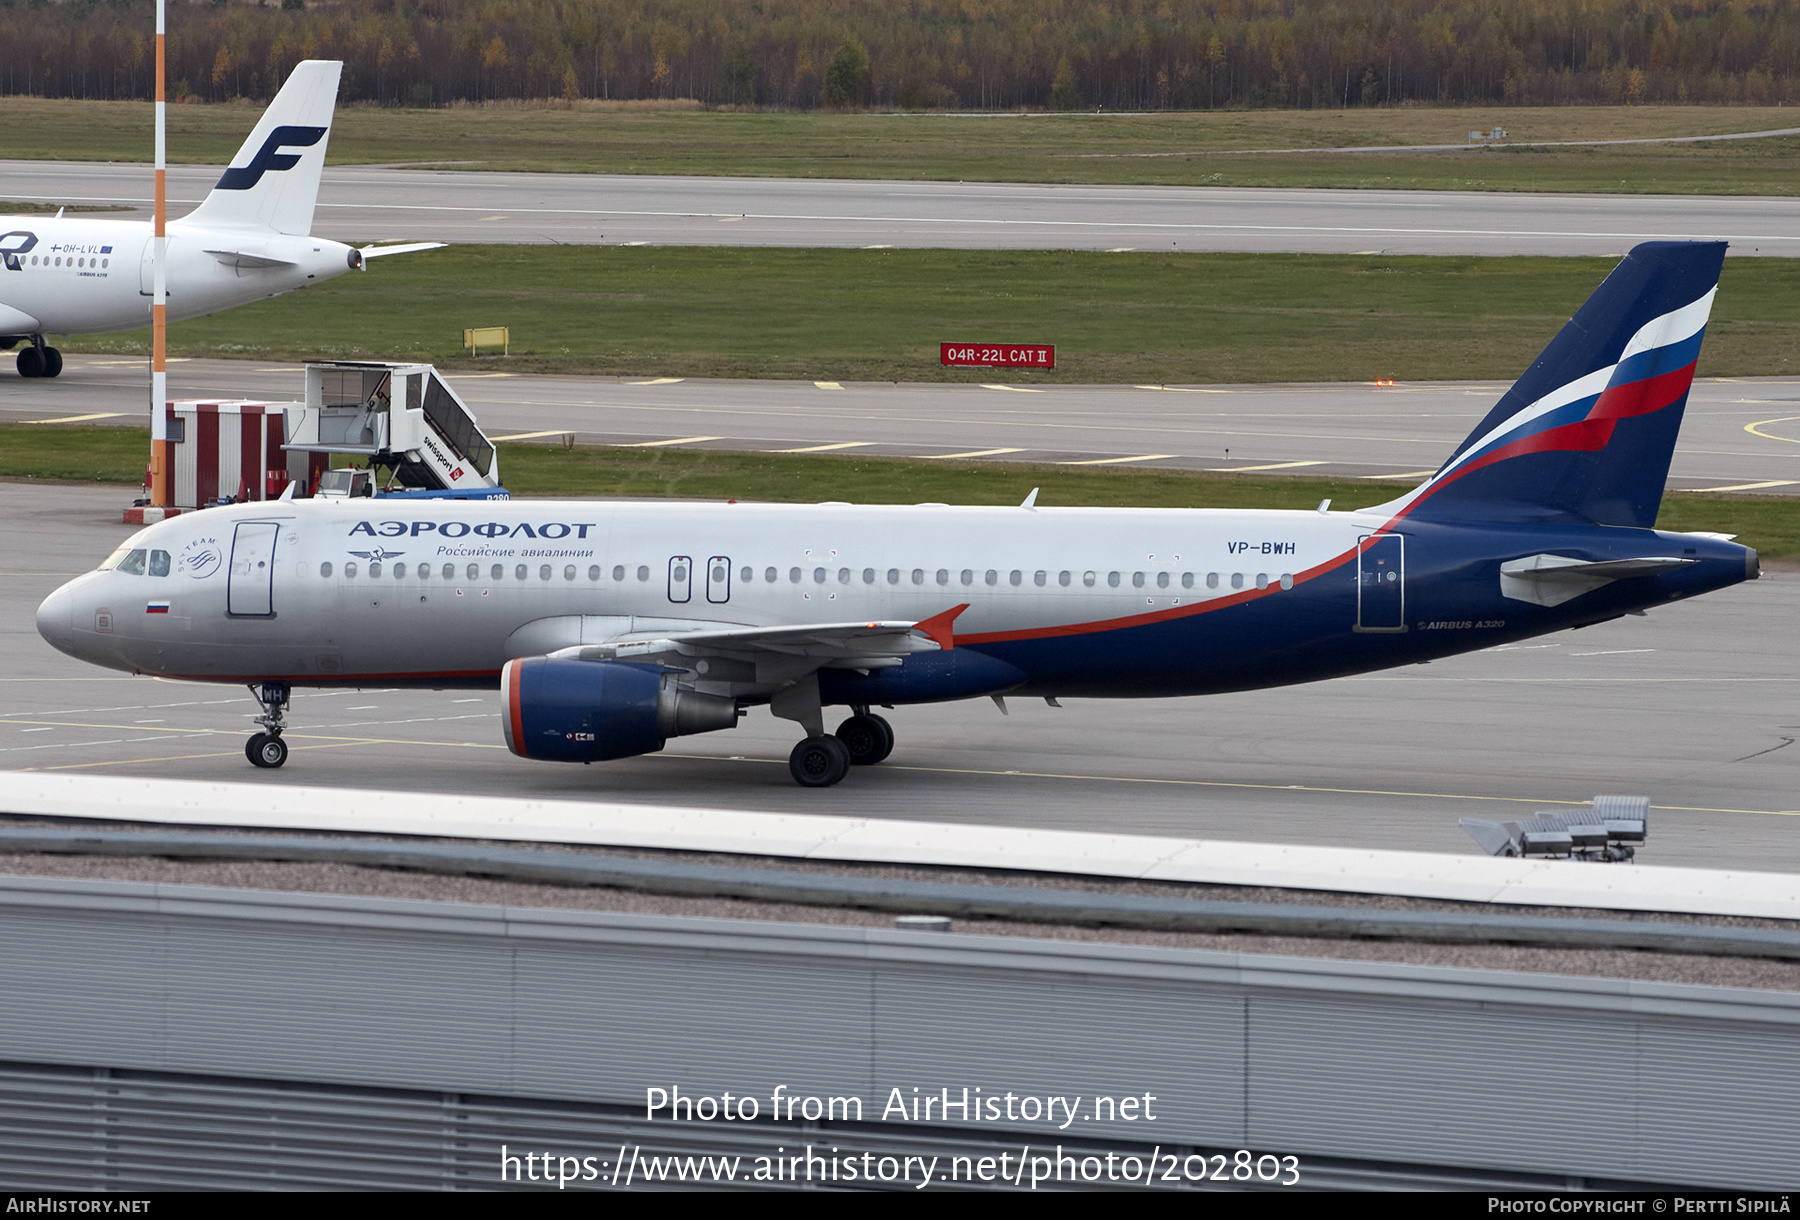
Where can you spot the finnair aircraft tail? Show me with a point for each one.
(250, 239)
(273, 182)
(1587, 433)
(611, 626)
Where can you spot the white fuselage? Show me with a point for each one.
(91, 276)
(417, 590)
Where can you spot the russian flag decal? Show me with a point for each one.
(156, 608)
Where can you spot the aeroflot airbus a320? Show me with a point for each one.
(611, 626)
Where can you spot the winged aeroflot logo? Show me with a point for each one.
(378, 554)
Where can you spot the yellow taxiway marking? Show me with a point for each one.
(1121, 249)
(119, 762)
(75, 419)
(974, 453)
(527, 436)
(1747, 486)
(94, 364)
(823, 448)
(1755, 429)
(482, 376)
(680, 440)
(1147, 457)
(1180, 389)
(828, 385)
(878, 247)
(493, 218)
(1015, 389)
(731, 220)
(634, 243)
(1213, 783)
(658, 381)
(1410, 474)
(85, 724)
(1270, 466)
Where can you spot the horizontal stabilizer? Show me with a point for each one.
(250, 262)
(1551, 580)
(413, 247)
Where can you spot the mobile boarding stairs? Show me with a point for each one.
(401, 416)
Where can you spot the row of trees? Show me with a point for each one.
(969, 54)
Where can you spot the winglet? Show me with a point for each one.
(938, 626)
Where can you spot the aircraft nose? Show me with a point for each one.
(56, 620)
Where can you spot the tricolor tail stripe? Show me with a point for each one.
(1588, 444)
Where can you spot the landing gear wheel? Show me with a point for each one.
(266, 750)
(52, 362)
(819, 762)
(31, 363)
(869, 739)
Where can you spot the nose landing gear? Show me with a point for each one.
(266, 749)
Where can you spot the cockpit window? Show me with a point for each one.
(112, 560)
(133, 563)
(159, 563)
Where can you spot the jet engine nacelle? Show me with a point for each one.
(564, 710)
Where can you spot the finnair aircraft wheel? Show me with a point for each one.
(266, 750)
(819, 762)
(869, 739)
(31, 363)
(52, 362)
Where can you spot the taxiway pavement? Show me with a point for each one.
(1739, 434)
(1693, 705)
(382, 203)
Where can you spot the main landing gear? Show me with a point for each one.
(824, 759)
(39, 360)
(266, 749)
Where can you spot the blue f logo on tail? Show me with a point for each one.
(267, 158)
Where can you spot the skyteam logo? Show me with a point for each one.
(269, 157)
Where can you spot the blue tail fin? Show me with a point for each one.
(1588, 431)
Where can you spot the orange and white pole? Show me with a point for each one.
(161, 460)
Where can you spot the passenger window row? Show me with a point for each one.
(472, 572)
(992, 577)
(18, 261)
(1016, 578)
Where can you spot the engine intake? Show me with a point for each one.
(562, 710)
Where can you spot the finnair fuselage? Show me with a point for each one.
(89, 276)
(1091, 602)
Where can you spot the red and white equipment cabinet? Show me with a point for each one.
(232, 450)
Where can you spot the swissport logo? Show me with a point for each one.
(269, 157)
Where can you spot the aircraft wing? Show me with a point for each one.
(17, 322)
(871, 645)
(1551, 580)
(781, 653)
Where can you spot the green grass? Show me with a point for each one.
(66, 453)
(1191, 148)
(879, 315)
